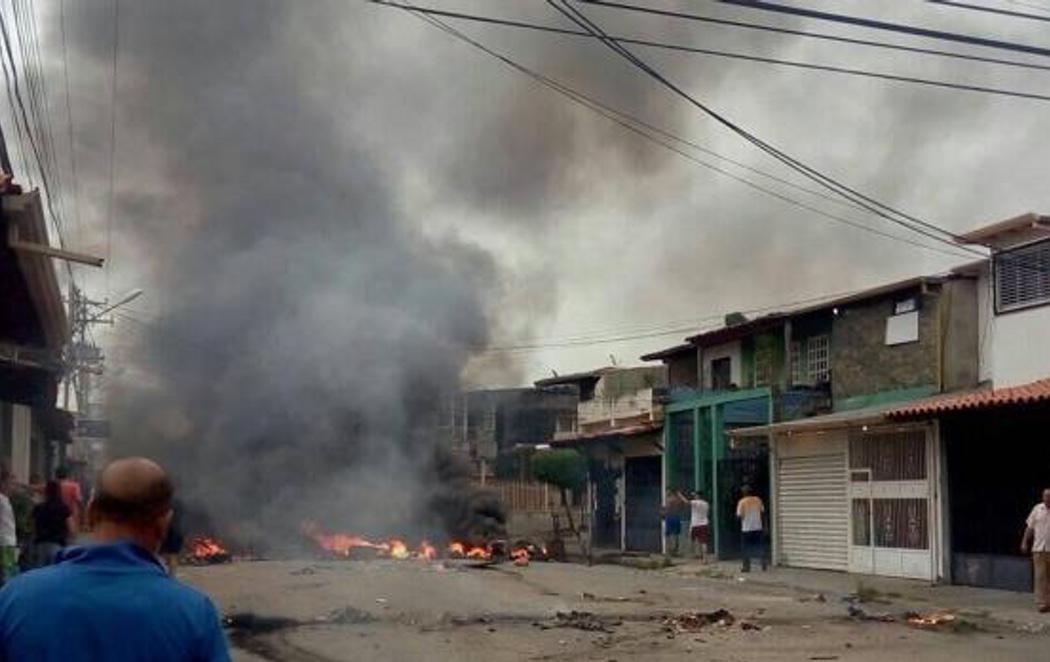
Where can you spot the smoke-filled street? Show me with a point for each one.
(304, 611)
(448, 329)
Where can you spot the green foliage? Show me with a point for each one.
(563, 468)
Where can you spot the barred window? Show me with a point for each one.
(811, 360)
(1022, 277)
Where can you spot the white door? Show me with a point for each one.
(891, 530)
(812, 524)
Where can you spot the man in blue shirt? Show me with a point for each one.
(112, 600)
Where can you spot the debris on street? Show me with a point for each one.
(698, 620)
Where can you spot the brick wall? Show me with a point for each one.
(862, 363)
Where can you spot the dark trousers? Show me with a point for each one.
(752, 546)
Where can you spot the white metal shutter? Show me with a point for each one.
(812, 515)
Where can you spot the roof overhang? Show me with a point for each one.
(1012, 231)
(839, 420)
(611, 434)
(1011, 396)
(670, 352)
(25, 230)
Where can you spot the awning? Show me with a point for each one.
(1024, 394)
(834, 421)
(605, 435)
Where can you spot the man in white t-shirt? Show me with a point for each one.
(1037, 541)
(750, 510)
(699, 525)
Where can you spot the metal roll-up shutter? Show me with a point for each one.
(813, 516)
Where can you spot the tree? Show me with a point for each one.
(565, 469)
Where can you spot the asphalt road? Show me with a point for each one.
(409, 610)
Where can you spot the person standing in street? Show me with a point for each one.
(113, 601)
(750, 511)
(72, 497)
(1036, 540)
(50, 525)
(8, 529)
(699, 525)
(672, 513)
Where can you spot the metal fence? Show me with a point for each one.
(520, 495)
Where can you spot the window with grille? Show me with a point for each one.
(1022, 277)
(763, 368)
(811, 360)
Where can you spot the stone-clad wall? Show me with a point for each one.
(862, 363)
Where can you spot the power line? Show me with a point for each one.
(20, 102)
(29, 45)
(69, 118)
(1030, 5)
(990, 10)
(878, 208)
(640, 127)
(112, 139)
(711, 20)
(739, 56)
(873, 24)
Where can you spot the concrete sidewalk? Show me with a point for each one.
(1008, 608)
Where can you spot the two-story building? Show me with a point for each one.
(489, 427)
(993, 446)
(793, 404)
(618, 428)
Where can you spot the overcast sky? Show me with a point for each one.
(582, 229)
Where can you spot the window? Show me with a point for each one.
(818, 357)
(811, 360)
(1022, 277)
(763, 368)
(890, 456)
(722, 373)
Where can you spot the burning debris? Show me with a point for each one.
(930, 620)
(351, 546)
(203, 550)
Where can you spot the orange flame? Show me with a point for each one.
(520, 556)
(202, 547)
(427, 552)
(396, 549)
(457, 550)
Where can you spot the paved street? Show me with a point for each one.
(388, 610)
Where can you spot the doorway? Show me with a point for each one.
(642, 496)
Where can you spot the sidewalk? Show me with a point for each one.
(1015, 610)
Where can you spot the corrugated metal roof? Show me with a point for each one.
(1037, 391)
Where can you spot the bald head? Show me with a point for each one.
(133, 500)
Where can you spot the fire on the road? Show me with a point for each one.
(344, 544)
(203, 549)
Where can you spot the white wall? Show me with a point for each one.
(709, 354)
(1015, 346)
(605, 409)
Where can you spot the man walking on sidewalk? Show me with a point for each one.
(1037, 541)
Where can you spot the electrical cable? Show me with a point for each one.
(873, 24)
(990, 10)
(711, 20)
(864, 73)
(880, 209)
(77, 220)
(634, 124)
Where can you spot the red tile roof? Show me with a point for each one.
(1038, 391)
